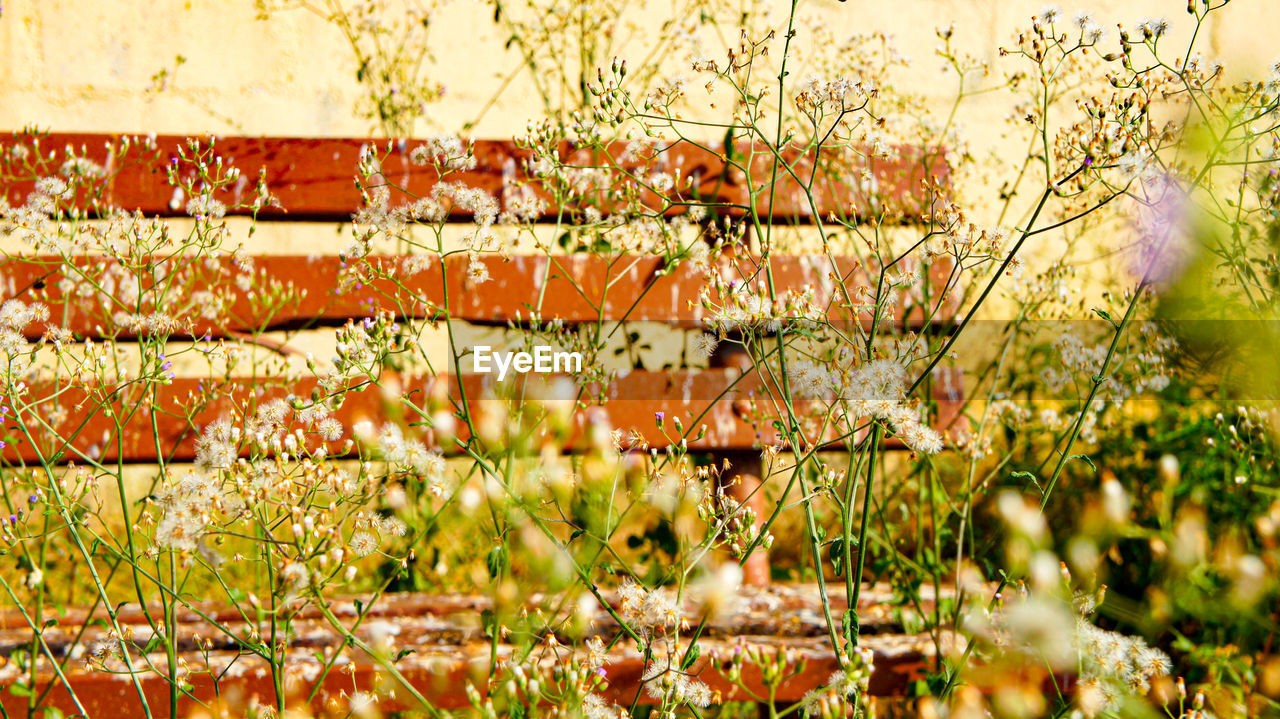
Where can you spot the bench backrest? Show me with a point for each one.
(312, 180)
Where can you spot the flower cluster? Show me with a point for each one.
(36, 222)
(818, 96)
(844, 690)
(878, 389)
(1113, 664)
(15, 317)
(648, 610)
(447, 152)
(189, 505)
(405, 455)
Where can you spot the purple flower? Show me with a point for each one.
(1164, 224)
(659, 416)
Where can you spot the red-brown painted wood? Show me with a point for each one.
(326, 290)
(441, 674)
(150, 421)
(314, 178)
(448, 650)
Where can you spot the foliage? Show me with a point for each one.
(1105, 512)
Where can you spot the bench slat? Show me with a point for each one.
(441, 673)
(186, 405)
(312, 178)
(327, 291)
(447, 649)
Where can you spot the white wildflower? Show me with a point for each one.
(392, 526)
(878, 389)
(54, 187)
(364, 544)
(1153, 27)
(831, 699)
(187, 506)
(294, 574)
(477, 271)
(808, 379)
(595, 707)
(446, 151)
(216, 447)
(663, 682)
(645, 610)
(330, 429)
(661, 181)
(704, 345)
(82, 166)
(204, 207)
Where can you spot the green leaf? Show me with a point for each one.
(851, 627)
(728, 146)
(496, 561)
(1027, 476)
(1086, 459)
(690, 657)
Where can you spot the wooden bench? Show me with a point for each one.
(311, 180)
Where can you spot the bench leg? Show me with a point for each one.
(747, 468)
(744, 485)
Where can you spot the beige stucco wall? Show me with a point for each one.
(87, 64)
